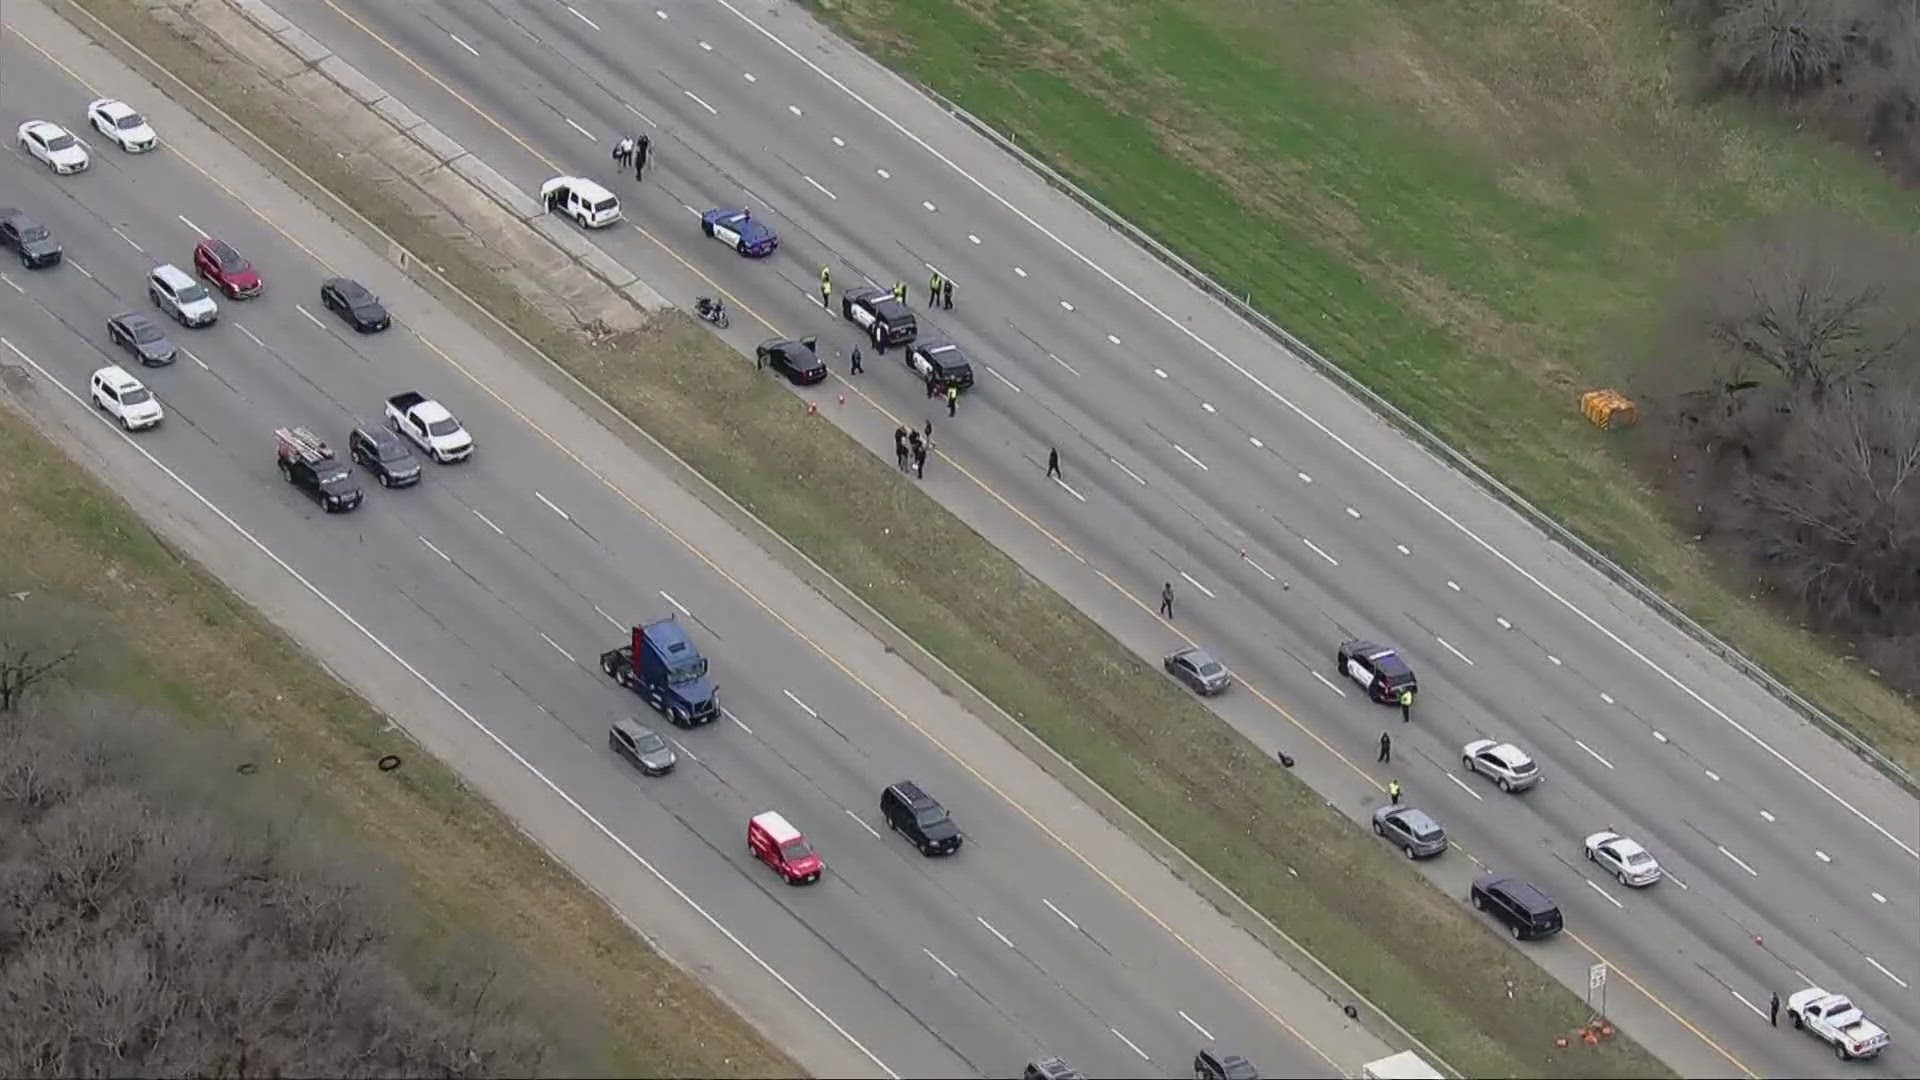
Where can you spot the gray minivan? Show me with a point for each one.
(1410, 829)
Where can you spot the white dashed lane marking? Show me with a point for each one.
(1822, 856)
(1195, 1024)
(1556, 660)
(972, 238)
(991, 370)
(682, 608)
(819, 187)
(1877, 965)
(864, 825)
(129, 240)
(741, 724)
(697, 100)
(1454, 585)
(995, 933)
(1304, 478)
(1402, 549)
(558, 649)
(616, 622)
(1328, 684)
(1449, 647)
(564, 516)
(749, 76)
(704, 47)
(1208, 406)
(250, 335)
(1190, 457)
(942, 963)
(584, 19)
(1768, 815)
(839, 142)
(1064, 364)
(1066, 305)
(1352, 513)
(1196, 584)
(930, 207)
(794, 109)
(1129, 1042)
(1160, 373)
(580, 129)
(884, 174)
(1331, 561)
(1608, 698)
(1736, 860)
(302, 310)
(489, 524)
(1019, 271)
(1257, 566)
(1504, 624)
(1123, 467)
(1593, 753)
(1063, 915)
(808, 709)
(462, 44)
(1068, 489)
(1597, 889)
(197, 229)
(1465, 788)
(435, 550)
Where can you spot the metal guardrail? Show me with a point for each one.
(1407, 424)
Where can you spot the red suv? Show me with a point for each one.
(226, 269)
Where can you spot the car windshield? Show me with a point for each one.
(145, 332)
(136, 396)
(33, 232)
(1520, 767)
(650, 742)
(796, 849)
(331, 474)
(687, 673)
(130, 120)
(392, 451)
(60, 142)
(441, 428)
(1638, 858)
(193, 294)
(931, 815)
(1210, 668)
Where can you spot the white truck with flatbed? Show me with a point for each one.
(430, 425)
(1834, 1018)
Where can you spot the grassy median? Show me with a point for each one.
(1416, 952)
(190, 648)
(1473, 207)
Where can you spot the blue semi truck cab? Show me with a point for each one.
(663, 665)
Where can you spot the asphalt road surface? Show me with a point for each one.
(501, 579)
(1198, 453)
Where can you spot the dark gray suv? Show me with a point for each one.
(384, 454)
(919, 817)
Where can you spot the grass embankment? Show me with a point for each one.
(1416, 952)
(1475, 208)
(195, 651)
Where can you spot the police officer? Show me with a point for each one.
(920, 461)
(826, 288)
(933, 291)
(639, 153)
(1393, 791)
(1053, 462)
(900, 291)
(1773, 1010)
(946, 291)
(953, 398)
(1386, 748)
(900, 447)
(855, 360)
(1406, 705)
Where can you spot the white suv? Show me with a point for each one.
(177, 294)
(125, 398)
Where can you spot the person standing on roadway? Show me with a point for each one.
(1773, 1010)
(946, 291)
(826, 288)
(953, 398)
(623, 150)
(1166, 600)
(640, 152)
(900, 291)
(1386, 748)
(920, 461)
(933, 291)
(1406, 706)
(855, 361)
(1053, 462)
(1393, 791)
(900, 447)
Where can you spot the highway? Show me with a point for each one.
(499, 581)
(1198, 453)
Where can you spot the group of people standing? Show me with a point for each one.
(912, 446)
(633, 152)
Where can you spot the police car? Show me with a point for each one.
(886, 320)
(1377, 668)
(741, 231)
(941, 361)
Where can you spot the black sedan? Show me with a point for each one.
(353, 302)
(794, 359)
(1199, 670)
(141, 338)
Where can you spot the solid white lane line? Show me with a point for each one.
(557, 648)
(1191, 580)
(563, 514)
(1331, 561)
(697, 100)
(583, 18)
(579, 129)
(448, 699)
(462, 44)
(302, 310)
(191, 225)
(1888, 974)
(1736, 860)
(995, 933)
(819, 187)
(129, 240)
(430, 547)
(864, 825)
(1062, 914)
(1068, 489)
(803, 705)
(1449, 647)
(669, 599)
(937, 960)
(489, 524)
(1124, 469)
(1606, 894)
(728, 713)
(1195, 1024)
(1129, 1042)
(1328, 684)
(618, 625)
(1592, 752)
(250, 335)
(1190, 457)
(1463, 787)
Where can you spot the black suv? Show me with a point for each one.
(1211, 1064)
(308, 463)
(886, 320)
(36, 245)
(384, 454)
(1528, 912)
(942, 361)
(920, 818)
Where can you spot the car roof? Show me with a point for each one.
(217, 245)
(131, 320)
(1509, 753)
(936, 346)
(777, 828)
(632, 727)
(117, 377)
(168, 270)
(377, 433)
(914, 794)
(1522, 892)
(1626, 845)
(112, 105)
(1415, 818)
(590, 190)
(44, 127)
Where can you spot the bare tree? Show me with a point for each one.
(37, 641)
(1786, 45)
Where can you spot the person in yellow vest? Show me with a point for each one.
(900, 291)
(1393, 791)
(1406, 705)
(933, 290)
(826, 288)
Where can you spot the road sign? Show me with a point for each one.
(1596, 977)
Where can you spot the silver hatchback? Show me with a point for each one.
(1410, 829)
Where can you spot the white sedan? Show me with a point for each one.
(117, 121)
(1625, 858)
(54, 145)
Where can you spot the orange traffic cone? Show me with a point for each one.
(812, 409)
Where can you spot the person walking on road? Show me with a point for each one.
(826, 288)
(1773, 1010)
(1406, 706)
(623, 150)
(946, 291)
(1166, 600)
(929, 434)
(1053, 462)
(855, 360)
(953, 399)
(933, 291)
(639, 154)
(920, 461)
(1393, 791)
(900, 447)
(1386, 748)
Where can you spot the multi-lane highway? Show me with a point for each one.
(1198, 453)
(499, 580)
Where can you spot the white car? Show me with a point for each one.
(1625, 858)
(1508, 765)
(1833, 1018)
(117, 121)
(125, 398)
(55, 146)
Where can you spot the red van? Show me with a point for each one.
(781, 846)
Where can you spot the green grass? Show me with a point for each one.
(185, 645)
(1413, 950)
(1475, 206)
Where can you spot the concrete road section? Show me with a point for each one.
(1285, 517)
(473, 608)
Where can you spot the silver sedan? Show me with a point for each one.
(1629, 862)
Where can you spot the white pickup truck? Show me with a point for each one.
(430, 426)
(1834, 1018)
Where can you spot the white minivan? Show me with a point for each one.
(586, 202)
(125, 398)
